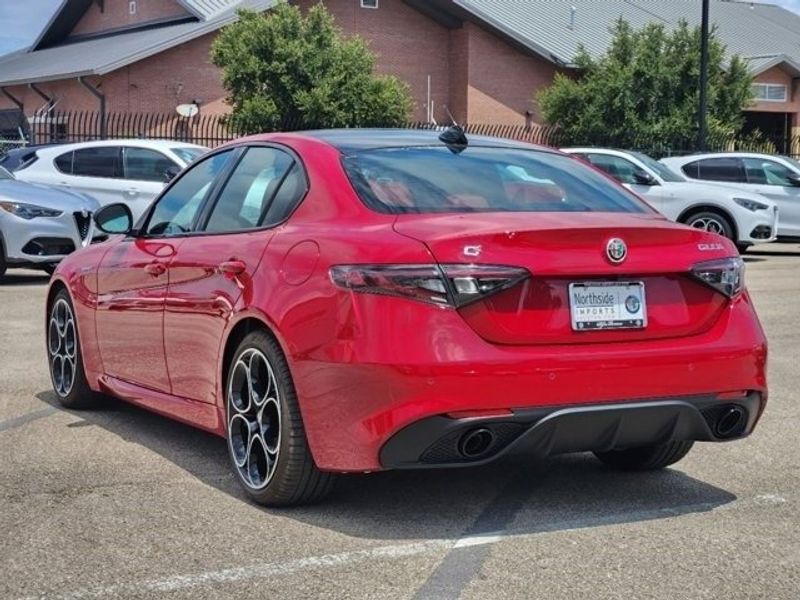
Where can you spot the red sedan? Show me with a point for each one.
(359, 300)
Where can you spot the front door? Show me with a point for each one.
(212, 273)
(133, 278)
(771, 179)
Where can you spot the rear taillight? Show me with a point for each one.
(447, 285)
(725, 275)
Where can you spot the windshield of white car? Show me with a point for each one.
(660, 169)
(187, 155)
(5, 174)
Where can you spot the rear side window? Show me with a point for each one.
(432, 179)
(247, 195)
(103, 161)
(64, 163)
(143, 164)
(722, 169)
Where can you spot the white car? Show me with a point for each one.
(39, 225)
(743, 217)
(129, 171)
(775, 177)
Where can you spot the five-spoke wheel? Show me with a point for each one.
(62, 346)
(267, 442)
(254, 418)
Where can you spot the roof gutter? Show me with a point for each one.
(101, 98)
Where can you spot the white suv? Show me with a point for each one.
(130, 171)
(741, 216)
(776, 177)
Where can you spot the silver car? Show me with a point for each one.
(39, 225)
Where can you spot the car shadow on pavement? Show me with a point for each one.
(27, 279)
(516, 495)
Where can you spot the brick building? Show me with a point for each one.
(481, 59)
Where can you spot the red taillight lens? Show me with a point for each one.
(725, 275)
(446, 285)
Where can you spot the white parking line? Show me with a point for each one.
(268, 570)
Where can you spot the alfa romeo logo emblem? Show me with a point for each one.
(616, 250)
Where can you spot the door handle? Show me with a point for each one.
(155, 269)
(131, 191)
(232, 267)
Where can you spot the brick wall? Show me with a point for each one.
(117, 13)
(407, 43)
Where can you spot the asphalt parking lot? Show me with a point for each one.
(119, 503)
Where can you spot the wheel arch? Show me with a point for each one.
(708, 207)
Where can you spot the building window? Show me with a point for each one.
(769, 92)
(369, 3)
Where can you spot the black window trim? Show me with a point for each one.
(211, 197)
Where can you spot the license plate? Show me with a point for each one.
(607, 305)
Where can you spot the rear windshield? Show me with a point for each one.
(435, 180)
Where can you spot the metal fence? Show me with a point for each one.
(213, 130)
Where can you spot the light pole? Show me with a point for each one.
(703, 108)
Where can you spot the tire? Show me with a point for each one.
(2, 260)
(275, 467)
(64, 359)
(48, 268)
(742, 248)
(713, 222)
(646, 458)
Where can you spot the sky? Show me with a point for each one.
(21, 20)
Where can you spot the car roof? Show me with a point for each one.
(355, 140)
(693, 157)
(135, 142)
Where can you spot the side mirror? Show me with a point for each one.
(643, 178)
(171, 173)
(114, 218)
(794, 180)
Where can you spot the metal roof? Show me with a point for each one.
(102, 55)
(545, 26)
(208, 9)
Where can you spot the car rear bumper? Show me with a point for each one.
(384, 374)
(442, 441)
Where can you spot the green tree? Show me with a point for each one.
(282, 68)
(646, 87)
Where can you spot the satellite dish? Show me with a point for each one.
(187, 110)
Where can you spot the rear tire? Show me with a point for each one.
(713, 222)
(646, 458)
(49, 268)
(65, 362)
(2, 260)
(267, 443)
(742, 248)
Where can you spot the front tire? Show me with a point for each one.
(267, 443)
(64, 356)
(713, 222)
(646, 458)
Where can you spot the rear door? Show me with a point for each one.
(211, 274)
(97, 171)
(145, 175)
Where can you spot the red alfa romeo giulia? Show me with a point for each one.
(359, 300)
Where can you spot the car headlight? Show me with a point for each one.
(753, 205)
(28, 211)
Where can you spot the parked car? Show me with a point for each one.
(742, 216)
(397, 300)
(39, 225)
(130, 171)
(17, 158)
(775, 177)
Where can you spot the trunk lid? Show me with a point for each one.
(560, 249)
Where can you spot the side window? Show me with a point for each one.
(143, 164)
(767, 172)
(64, 163)
(692, 169)
(722, 169)
(178, 207)
(620, 169)
(247, 194)
(103, 161)
(291, 192)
